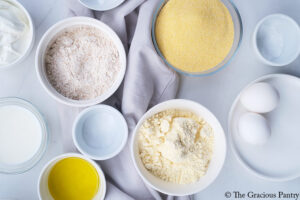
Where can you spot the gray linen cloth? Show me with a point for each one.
(147, 82)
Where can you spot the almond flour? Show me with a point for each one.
(82, 62)
(176, 146)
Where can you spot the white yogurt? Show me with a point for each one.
(20, 135)
(15, 33)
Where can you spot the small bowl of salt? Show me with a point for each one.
(276, 40)
(100, 132)
(101, 5)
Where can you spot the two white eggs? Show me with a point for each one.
(259, 98)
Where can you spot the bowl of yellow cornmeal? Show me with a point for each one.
(196, 37)
(71, 176)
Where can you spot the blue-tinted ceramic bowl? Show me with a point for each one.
(101, 5)
(100, 132)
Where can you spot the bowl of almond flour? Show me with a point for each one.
(178, 147)
(80, 61)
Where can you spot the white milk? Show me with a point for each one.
(20, 135)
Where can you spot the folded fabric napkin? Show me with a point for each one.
(147, 82)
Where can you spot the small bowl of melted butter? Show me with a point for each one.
(71, 176)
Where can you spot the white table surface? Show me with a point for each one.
(216, 92)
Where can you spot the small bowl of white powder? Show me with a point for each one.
(100, 132)
(276, 40)
(178, 147)
(80, 61)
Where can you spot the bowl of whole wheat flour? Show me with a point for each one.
(80, 61)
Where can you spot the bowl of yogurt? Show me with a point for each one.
(23, 135)
(16, 33)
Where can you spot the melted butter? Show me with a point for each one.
(73, 179)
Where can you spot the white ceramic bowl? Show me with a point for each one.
(216, 162)
(29, 44)
(101, 5)
(100, 132)
(276, 40)
(48, 37)
(43, 190)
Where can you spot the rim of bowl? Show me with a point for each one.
(229, 128)
(26, 53)
(116, 4)
(254, 39)
(66, 23)
(236, 21)
(115, 113)
(44, 131)
(135, 135)
(77, 155)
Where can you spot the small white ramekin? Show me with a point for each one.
(26, 53)
(100, 132)
(50, 35)
(43, 190)
(289, 31)
(101, 5)
(217, 160)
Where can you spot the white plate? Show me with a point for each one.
(279, 158)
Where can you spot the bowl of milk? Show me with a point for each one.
(23, 135)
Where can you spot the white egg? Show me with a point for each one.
(260, 98)
(254, 128)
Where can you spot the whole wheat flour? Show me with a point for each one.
(82, 62)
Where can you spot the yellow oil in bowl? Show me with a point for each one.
(73, 179)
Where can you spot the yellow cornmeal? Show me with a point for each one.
(73, 179)
(194, 35)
